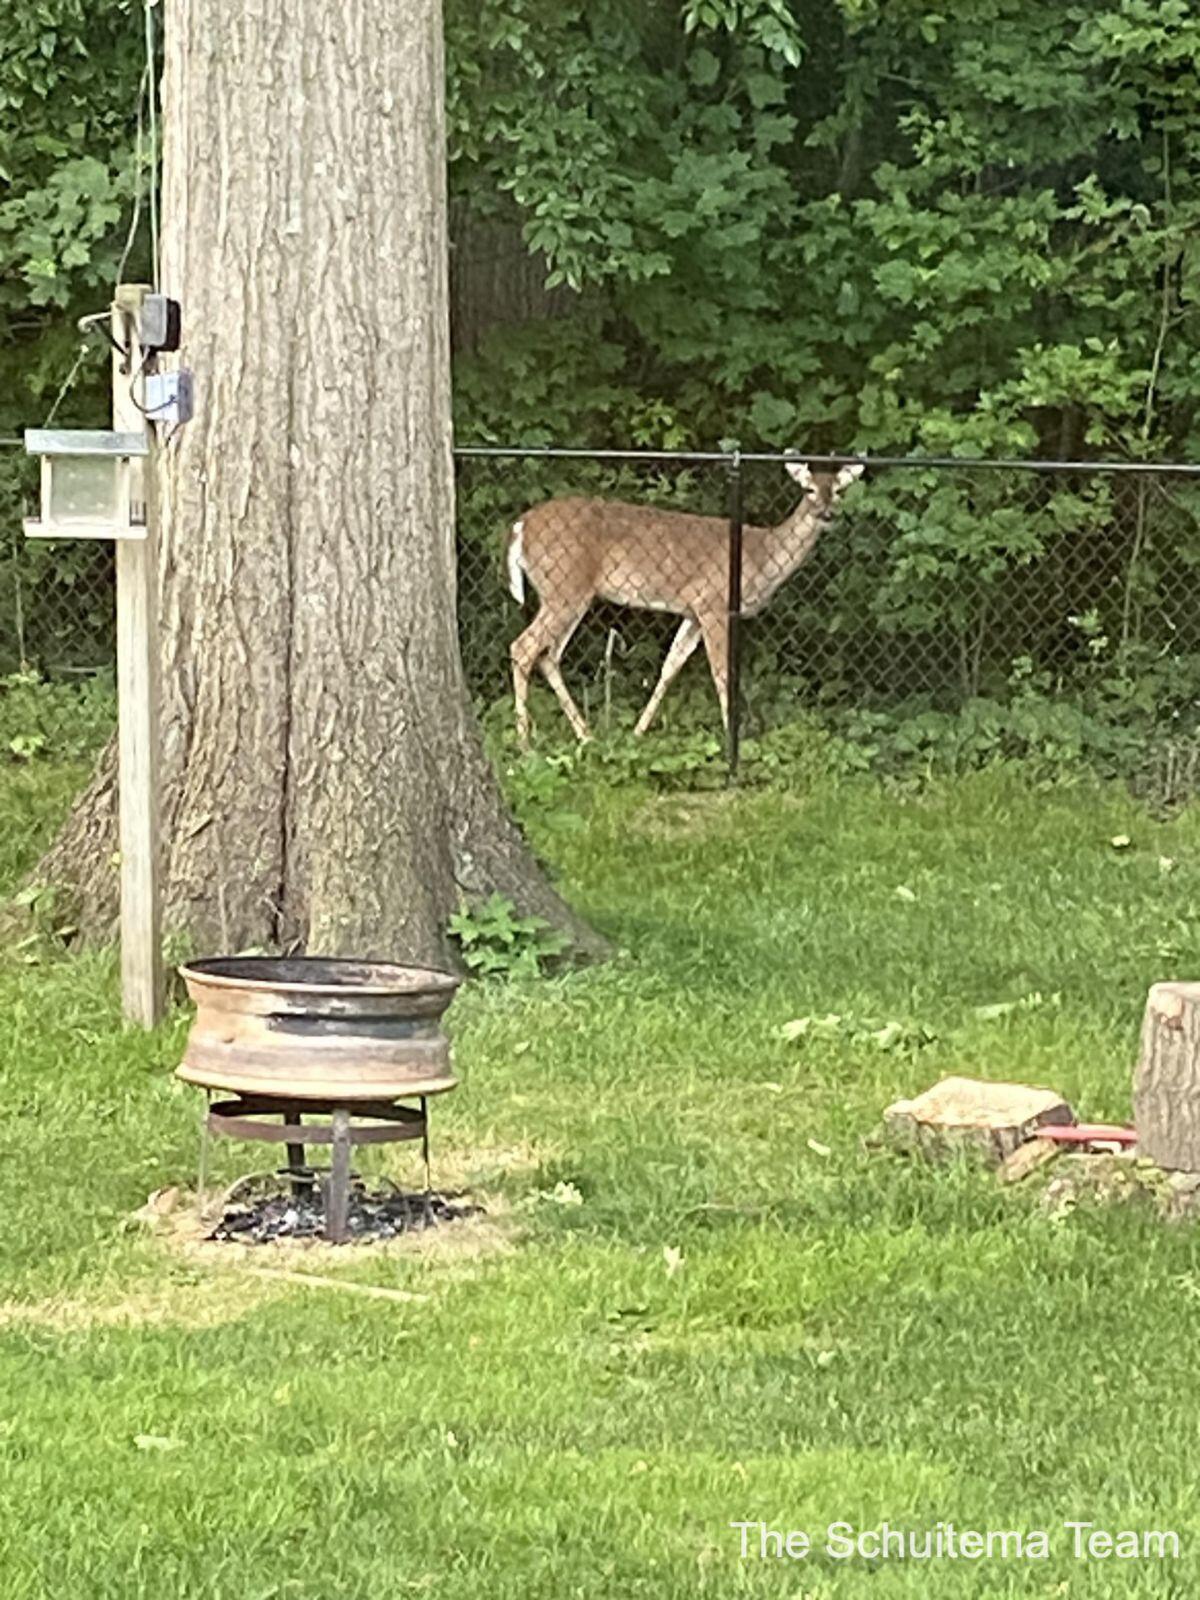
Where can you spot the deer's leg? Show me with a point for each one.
(546, 637)
(524, 653)
(682, 645)
(553, 676)
(715, 630)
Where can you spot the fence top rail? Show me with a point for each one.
(469, 452)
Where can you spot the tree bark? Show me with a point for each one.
(1166, 1089)
(325, 786)
(495, 282)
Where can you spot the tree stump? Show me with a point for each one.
(978, 1114)
(1166, 1087)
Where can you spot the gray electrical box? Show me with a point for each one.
(159, 323)
(169, 396)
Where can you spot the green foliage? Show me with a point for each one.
(51, 232)
(770, 23)
(857, 224)
(69, 84)
(684, 758)
(496, 942)
(834, 1029)
(48, 925)
(64, 722)
(544, 786)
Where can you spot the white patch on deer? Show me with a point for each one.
(849, 473)
(801, 471)
(516, 563)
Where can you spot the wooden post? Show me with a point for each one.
(1166, 1086)
(138, 694)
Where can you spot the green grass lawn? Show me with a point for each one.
(568, 1412)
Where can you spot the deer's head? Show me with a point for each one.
(821, 489)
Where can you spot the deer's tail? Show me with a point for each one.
(516, 562)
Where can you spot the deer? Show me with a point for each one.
(577, 550)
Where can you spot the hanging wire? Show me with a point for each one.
(148, 12)
(136, 217)
(81, 356)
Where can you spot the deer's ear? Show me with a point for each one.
(848, 474)
(801, 471)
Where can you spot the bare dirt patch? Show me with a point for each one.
(205, 1283)
(186, 1234)
(476, 1167)
(197, 1302)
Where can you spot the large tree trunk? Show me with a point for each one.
(325, 785)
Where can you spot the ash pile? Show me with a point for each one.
(273, 1213)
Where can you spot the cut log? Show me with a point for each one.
(972, 1113)
(1027, 1159)
(1166, 1085)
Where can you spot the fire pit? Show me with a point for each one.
(255, 1212)
(331, 1040)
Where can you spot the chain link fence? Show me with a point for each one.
(655, 586)
(911, 587)
(57, 630)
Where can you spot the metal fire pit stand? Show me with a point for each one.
(390, 1123)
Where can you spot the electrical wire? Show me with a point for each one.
(147, 357)
(81, 356)
(148, 13)
(137, 177)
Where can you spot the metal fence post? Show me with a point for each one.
(733, 644)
